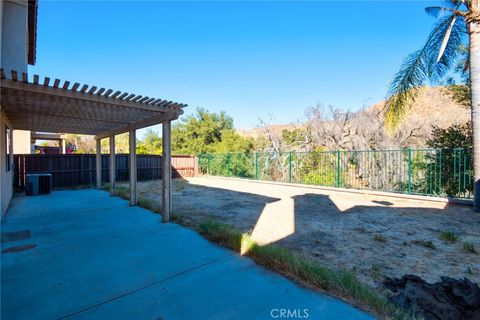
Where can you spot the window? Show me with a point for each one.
(7, 148)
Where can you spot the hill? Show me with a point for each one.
(434, 107)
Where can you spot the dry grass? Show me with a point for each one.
(340, 283)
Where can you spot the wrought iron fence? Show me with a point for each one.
(433, 172)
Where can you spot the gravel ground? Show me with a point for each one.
(375, 235)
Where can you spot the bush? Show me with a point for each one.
(455, 163)
(469, 247)
(321, 179)
(448, 236)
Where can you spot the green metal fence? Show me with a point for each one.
(433, 172)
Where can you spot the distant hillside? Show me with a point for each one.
(258, 132)
(433, 107)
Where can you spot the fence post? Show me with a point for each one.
(81, 169)
(256, 165)
(440, 174)
(454, 166)
(290, 167)
(338, 168)
(409, 171)
(228, 165)
(196, 165)
(208, 163)
(463, 167)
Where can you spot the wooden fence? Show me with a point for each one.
(70, 170)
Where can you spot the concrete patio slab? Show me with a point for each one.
(85, 255)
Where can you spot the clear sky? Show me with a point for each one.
(250, 59)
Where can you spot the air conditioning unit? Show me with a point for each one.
(40, 183)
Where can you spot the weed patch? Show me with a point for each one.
(448, 236)
(469, 247)
(379, 238)
(425, 243)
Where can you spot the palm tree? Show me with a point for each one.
(457, 26)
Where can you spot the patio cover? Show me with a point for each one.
(53, 106)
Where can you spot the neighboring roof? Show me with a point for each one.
(51, 106)
(32, 31)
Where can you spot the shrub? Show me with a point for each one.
(469, 247)
(426, 244)
(321, 179)
(448, 236)
(379, 238)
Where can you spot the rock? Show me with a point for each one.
(448, 299)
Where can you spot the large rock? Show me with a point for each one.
(448, 299)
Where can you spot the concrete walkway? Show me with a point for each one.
(85, 255)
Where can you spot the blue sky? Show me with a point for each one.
(250, 59)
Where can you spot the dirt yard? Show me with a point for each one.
(374, 235)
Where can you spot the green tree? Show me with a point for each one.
(457, 27)
(461, 94)
(221, 149)
(207, 132)
(455, 136)
(151, 143)
(293, 138)
(233, 142)
(456, 142)
(121, 144)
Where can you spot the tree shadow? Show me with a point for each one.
(319, 212)
(392, 239)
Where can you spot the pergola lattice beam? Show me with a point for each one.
(50, 104)
(46, 90)
(168, 116)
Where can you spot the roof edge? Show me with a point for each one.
(32, 31)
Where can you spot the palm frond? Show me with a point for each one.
(422, 65)
(437, 12)
(454, 4)
(446, 38)
(404, 87)
(454, 32)
(462, 66)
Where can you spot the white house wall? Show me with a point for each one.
(14, 42)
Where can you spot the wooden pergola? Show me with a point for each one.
(56, 106)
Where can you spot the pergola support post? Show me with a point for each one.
(98, 163)
(112, 165)
(10, 150)
(166, 171)
(133, 167)
(63, 148)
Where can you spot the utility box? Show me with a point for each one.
(39, 183)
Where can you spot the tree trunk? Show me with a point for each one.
(474, 31)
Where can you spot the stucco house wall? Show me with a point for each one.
(13, 56)
(6, 172)
(14, 34)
